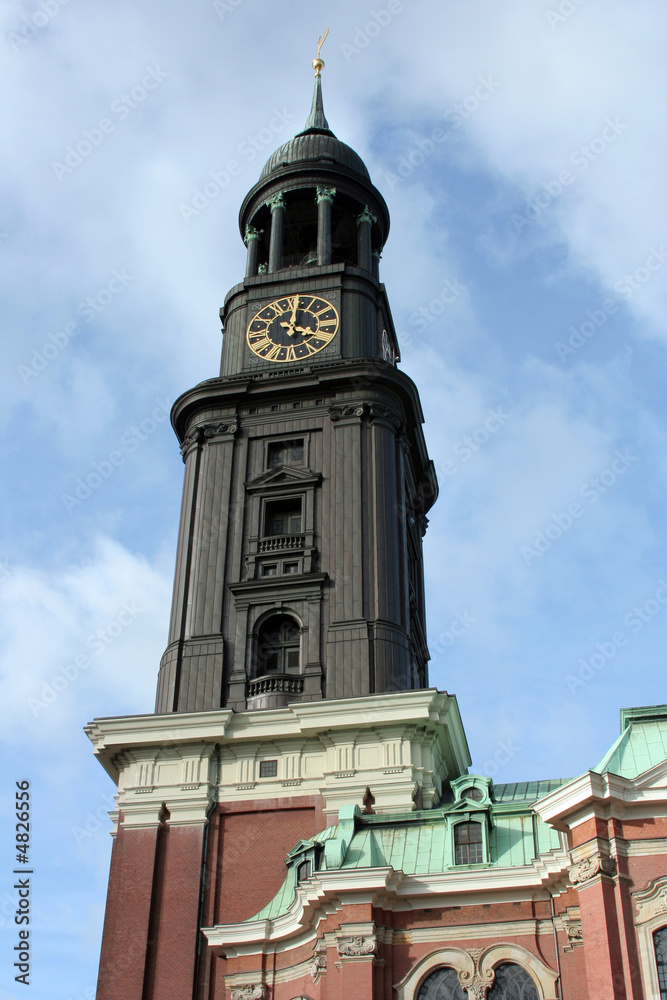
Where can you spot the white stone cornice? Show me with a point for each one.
(329, 891)
(608, 796)
(403, 745)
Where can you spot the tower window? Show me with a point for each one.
(268, 768)
(285, 453)
(278, 646)
(468, 848)
(283, 517)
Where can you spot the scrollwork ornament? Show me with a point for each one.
(318, 967)
(588, 869)
(651, 902)
(357, 946)
(249, 991)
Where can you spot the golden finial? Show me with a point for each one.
(318, 64)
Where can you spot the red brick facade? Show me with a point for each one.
(152, 920)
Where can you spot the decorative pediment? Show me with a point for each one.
(284, 477)
(651, 902)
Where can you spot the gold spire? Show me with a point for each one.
(318, 63)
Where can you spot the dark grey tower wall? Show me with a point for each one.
(299, 570)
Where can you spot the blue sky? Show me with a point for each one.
(520, 148)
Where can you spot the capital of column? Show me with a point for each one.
(325, 194)
(251, 233)
(366, 216)
(275, 201)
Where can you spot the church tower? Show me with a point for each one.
(299, 569)
(294, 682)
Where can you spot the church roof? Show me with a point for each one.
(419, 843)
(315, 143)
(641, 745)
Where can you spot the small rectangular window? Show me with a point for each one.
(290, 567)
(270, 570)
(468, 844)
(268, 768)
(283, 517)
(275, 408)
(285, 453)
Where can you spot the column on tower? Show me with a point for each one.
(324, 199)
(277, 205)
(251, 238)
(365, 220)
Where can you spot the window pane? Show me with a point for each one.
(443, 984)
(512, 983)
(268, 768)
(283, 517)
(660, 945)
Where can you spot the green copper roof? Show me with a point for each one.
(526, 791)
(420, 843)
(640, 747)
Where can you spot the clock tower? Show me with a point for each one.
(294, 681)
(299, 570)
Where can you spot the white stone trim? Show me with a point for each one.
(476, 969)
(651, 915)
(605, 795)
(398, 745)
(327, 892)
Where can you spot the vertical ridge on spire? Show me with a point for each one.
(317, 119)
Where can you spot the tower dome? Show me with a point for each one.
(314, 204)
(316, 143)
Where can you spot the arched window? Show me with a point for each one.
(468, 848)
(660, 945)
(512, 983)
(277, 646)
(443, 984)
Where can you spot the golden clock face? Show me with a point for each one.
(292, 328)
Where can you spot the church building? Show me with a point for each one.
(297, 820)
